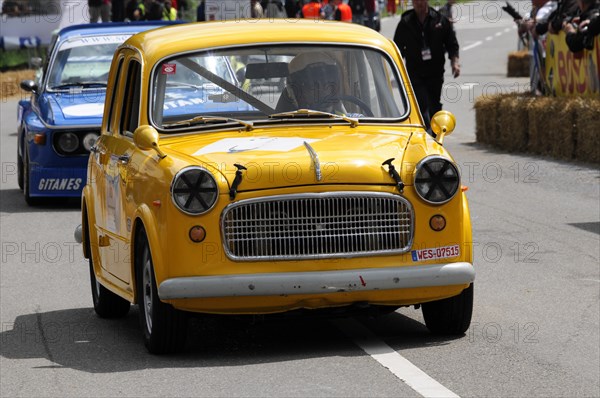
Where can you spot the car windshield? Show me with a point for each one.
(275, 83)
(83, 62)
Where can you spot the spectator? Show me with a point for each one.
(256, 10)
(99, 9)
(273, 9)
(343, 12)
(312, 9)
(584, 27)
(169, 11)
(566, 9)
(328, 10)
(154, 10)
(423, 36)
(391, 7)
(292, 8)
(370, 6)
(201, 12)
(358, 11)
(135, 10)
(117, 10)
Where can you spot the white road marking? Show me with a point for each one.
(498, 34)
(489, 38)
(401, 367)
(470, 46)
(507, 30)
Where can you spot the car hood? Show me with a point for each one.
(272, 160)
(84, 108)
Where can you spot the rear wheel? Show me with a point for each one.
(450, 316)
(163, 327)
(106, 303)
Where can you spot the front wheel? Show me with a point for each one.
(451, 316)
(163, 327)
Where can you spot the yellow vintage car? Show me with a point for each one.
(255, 167)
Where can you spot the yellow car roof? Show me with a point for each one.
(159, 43)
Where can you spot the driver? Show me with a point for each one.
(315, 83)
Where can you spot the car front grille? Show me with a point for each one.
(329, 225)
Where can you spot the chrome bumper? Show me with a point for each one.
(317, 282)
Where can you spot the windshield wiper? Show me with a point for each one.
(307, 113)
(210, 119)
(78, 84)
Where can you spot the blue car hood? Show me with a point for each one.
(84, 108)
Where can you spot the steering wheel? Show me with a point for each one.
(358, 102)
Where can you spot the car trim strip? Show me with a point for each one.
(317, 282)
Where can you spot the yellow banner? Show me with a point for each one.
(569, 73)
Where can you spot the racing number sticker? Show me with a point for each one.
(436, 253)
(169, 69)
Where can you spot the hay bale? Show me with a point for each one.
(587, 120)
(519, 64)
(486, 119)
(10, 82)
(552, 127)
(513, 122)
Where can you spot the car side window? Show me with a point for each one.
(115, 89)
(131, 99)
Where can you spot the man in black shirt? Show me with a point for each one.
(423, 36)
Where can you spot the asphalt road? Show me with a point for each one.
(535, 328)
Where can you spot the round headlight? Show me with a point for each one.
(436, 179)
(194, 190)
(89, 140)
(68, 142)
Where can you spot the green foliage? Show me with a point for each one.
(17, 59)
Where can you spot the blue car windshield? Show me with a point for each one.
(83, 61)
(272, 82)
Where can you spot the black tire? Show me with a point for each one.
(163, 327)
(451, 316)
(106, 303)
(31, 201)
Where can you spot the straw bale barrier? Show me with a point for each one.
(10, 82)
(559, 127)
(518, 64)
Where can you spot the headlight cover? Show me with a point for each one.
(436, 179)
(68, 142)
(194, 190)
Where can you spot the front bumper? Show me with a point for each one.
(317, 282)
(57, 181)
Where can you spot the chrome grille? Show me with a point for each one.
(339, 224)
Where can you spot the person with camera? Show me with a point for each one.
(582, 29)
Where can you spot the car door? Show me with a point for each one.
(118, 168)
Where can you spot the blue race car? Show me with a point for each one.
(61, 120)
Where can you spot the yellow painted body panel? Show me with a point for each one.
(121, 198)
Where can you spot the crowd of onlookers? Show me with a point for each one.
(579, 19)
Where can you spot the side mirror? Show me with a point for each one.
(29, 85)
(442, 124)
(35, 62)
(146, 137)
